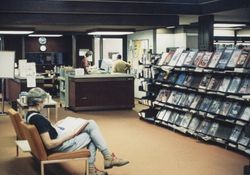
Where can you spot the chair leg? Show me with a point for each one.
(42, 168)
(17, 151)
(87, 167)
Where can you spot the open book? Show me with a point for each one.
(72, 123)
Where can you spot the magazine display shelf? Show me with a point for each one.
(210, 103)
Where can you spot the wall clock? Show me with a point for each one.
(42, 40)
(43, 48)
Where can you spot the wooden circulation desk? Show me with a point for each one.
(101, 91)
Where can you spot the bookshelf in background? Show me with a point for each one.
(203, 94)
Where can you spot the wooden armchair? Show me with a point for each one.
(39, 152)
(21, 142)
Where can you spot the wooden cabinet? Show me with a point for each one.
(91, 93)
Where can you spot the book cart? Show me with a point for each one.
(203, 94)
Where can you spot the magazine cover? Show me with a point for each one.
(213, 128)
(182, 59)
(172, 77)
(161, 114)
(181, 78)
(179, 119)
(186, 120)
(195, 122)
(205, 104)
(235, 110)
(234, 58)
(215, 106)
(205, 81)
(235, 133)
(189, 60)
(196, 101)
(196, 81)
(234, 85)
(198, 58)
(214, 83)
(224, 84)
(187, 82)
(189, 100)
(225, 107)
(216, 57)
(182, 99)
(245, 114)
(175, 57)
(204, 126)
(243, 140)
(205, 59)
(173, 117)
(167, 115)
(243, 59)
(162, 60)
(245, 86)
(224, 59)
(163, 95)
(174, 97)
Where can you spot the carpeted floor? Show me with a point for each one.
(150, 149)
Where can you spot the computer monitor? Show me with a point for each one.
(106, 64)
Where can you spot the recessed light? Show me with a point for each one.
(45, 35)
(16, 32)
(110, 33)
(222, 25)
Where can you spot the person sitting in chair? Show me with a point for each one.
(54, 141)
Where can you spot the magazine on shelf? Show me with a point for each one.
(161, 114)
(245, 114)
(213, 129)
(186, 120)
(235, 110)
(205, 59)
(245, 86)
(174, 97)
(189, 100)
(175, 57)
(242, 60)
(70, 124)
(196, 102)
(234, 85)
(234, 58)
(224, 131)
(205, 103)
(167, 115)
(216, 57)
(247, 63)
(195, 122)
(189, 59)
(224, 84)
(225, 107)
(163, 95)
(188, 80)
(182, 58)
(179, 119)
(244, 139)
(172, 77)
(215, 106)
(173, 117)
(196, 81)
(235, 133)
(182, 99)
(214, 83)
(224, 59)
(163, 58)
(162, 76)
(204, 126)
(205, 81)
(181, 78)
(198, 58)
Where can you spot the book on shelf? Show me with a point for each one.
(161, 114)
(215, 58)
(174, 97)
(186, 120)
(189, 59)
(245, 86)
(213, 129)
(224, 84)
(234, 85)
(205, 81)
(182, 58)
(215, 106)
(224, 59)
(175, 57)
(189, 100)
(205, 59)
(196, 101)
(244, 139)
(70, 124)
(181, 78)
(167, 115)
(245, 114)
(234, 58)
(198, 58)
(235, 133)
(235, 110)
(243, 60)
(225, 107)
(205, 104)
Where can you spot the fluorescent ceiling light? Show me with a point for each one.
(9, 32)
(228, 28)
(170, 27)
(228, 25)
(45, 35)
(110, 33)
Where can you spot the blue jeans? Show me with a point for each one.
(89, 137)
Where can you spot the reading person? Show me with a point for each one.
(55, 141)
